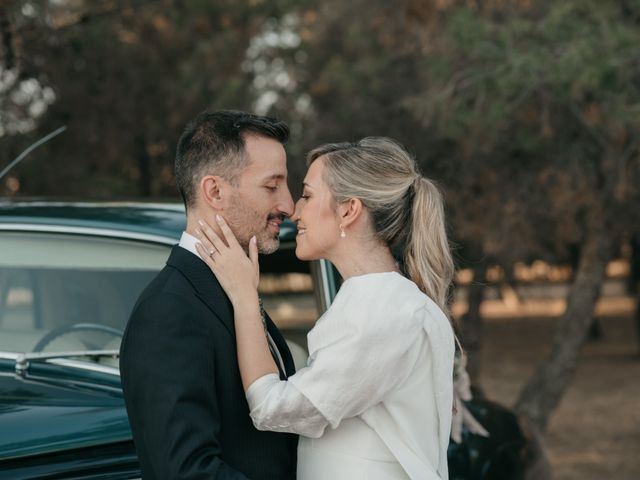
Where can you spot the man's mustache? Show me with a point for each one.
(276, 216)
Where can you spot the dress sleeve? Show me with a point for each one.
(278, 406)
(360, 361)
(352, 367)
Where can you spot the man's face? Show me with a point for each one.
(260, 199)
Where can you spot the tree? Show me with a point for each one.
(561, 87)
(528, 115)
(126, 76)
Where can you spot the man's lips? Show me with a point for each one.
(275, 223)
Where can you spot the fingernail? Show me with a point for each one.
(201, 223)
(218, 217)
(254, 239)
(198, 232)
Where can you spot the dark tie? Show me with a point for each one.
(272, 346)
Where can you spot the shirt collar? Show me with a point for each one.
(188, 242)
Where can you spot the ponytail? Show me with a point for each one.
(427, 257)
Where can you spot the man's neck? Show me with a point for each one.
(209, 217)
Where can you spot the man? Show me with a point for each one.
(180, 376)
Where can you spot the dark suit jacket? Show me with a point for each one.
(182, 386)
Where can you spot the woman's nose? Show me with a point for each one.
(296, 212)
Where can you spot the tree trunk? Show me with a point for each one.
(545, 388)
(637, 318)
(634, 281)
(472, 324)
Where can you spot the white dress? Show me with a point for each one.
(375, 400)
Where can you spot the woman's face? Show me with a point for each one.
(316, 217)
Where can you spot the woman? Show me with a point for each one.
(375, 399)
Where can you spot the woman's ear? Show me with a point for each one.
(212, 188)
(350, 211)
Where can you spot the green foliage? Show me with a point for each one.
(580, 55)
(528, 116)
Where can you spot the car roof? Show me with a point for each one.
(150, 221)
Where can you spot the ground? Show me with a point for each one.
(594, 434)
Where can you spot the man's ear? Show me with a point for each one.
(350, 211)
(213, 189)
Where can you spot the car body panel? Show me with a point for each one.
(83, 408)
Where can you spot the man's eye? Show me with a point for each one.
(272, 188)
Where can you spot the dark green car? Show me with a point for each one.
(69, 276)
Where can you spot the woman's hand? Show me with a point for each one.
(237, 273)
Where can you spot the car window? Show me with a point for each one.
(69, 292)
(52, 282)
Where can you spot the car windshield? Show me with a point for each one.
(67, 293)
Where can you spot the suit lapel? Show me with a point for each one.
(208, 290)
(205, 284)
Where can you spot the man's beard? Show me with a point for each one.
(267, 241)
(246, 222)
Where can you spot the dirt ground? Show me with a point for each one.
(595, 432)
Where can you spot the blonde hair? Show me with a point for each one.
(406, 208)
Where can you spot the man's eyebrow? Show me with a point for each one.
(275, 176)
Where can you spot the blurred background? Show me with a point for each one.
(526, 112)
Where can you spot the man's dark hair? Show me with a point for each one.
(214, 144)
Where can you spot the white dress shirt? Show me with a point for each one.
(189, 242)
(375, 400)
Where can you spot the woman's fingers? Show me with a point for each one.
(208, 247)
(253, 251)
(206, 256)
(211, 236)
(231, 239)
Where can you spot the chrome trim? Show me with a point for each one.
(9, 355)
(23, 359)
(320, 271)
(92, 367)
(95, 232)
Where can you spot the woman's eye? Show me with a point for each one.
(305, 196)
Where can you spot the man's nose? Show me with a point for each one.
(286, 205)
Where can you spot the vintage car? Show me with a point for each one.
(69, 276)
